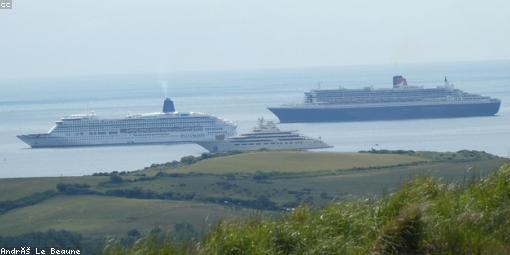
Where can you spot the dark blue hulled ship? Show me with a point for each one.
(400, 102)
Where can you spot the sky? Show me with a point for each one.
(55, 38)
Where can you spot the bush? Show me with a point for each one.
(115, 179)
(74, 189)
(188, 160)
(25, 201)
(133, 193)
(401, 235)
(258, 176)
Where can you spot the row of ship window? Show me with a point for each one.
(133, 132)
(137, 121)
(387, 98)
(95, 133)
(213, 129)
(378, 94)
(387, 91)
(99, 126)
(156, 130)
(237, 144)
(391, 96)
(141, 130)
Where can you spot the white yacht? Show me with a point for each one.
(167, 126)
(264, 136)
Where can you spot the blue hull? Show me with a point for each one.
(312, 114)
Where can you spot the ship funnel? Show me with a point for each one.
(399, 81)
(168, 106)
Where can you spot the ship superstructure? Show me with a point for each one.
(266, 135)
(400, 102)
(168, 126)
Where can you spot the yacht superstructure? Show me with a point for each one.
(266, 135)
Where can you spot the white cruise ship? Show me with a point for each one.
(167, 126)
(265, 136)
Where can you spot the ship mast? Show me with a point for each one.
(447, 83)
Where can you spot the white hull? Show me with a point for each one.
(265, 136)
(48, 140)
(226, 145)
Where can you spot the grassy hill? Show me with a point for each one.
(425, 216)
(296, 161)
(201, 190)
(106, 216)
(16, 188)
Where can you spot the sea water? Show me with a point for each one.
(33, 105)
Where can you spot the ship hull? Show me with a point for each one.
(53, 141)
(339, 114)
(226, 146)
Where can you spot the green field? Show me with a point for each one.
(15, 188)
(102, 216)
(223, 187)
(295, 161)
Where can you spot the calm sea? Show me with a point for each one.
(28, 106)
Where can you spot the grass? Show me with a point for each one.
(106, 216)
(295, 161)
(317, 189)
(425, 216)
(15, 188)
(291, 179)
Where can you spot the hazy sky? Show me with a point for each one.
(83, 37)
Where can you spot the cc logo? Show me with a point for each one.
(5, 4)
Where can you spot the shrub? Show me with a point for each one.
(35, 198)
(401, 235)
(74, 188)
(115, 179)
(188, 160)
